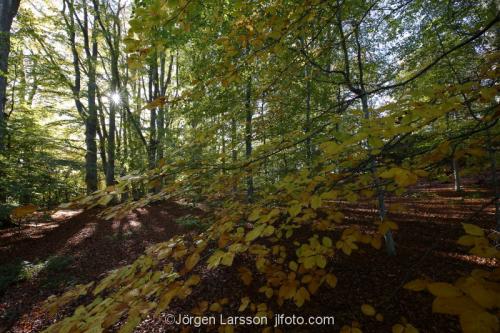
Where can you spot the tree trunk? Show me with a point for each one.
(248, 136)
(307, 127)
(91, 123)
(456, 175)
(8, 10)
(152, 120)
(89, 117)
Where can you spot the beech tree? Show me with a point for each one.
(8, 10)
(276, 115)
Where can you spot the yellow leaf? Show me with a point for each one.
(332, 195)
(473, 230)
(388, 173)
(368, 310)
(166, 299)
(293, 265)
(385, 226)
(301, 296)
(398, 328)
(320, 261)
(410, 329)
(379, 317)
(254, 233)
(268, 231)
(288, 290)
(443, 289)
(485, 251)
(215, 307)
(254, 215)
(467, 240)
(244, 303)
(376, 242)
(330, 148)
(482, 296)
(454, 305)
(105, 200)
(245, 275)
(331, 280)
(20, 212)
(294, 210)
(215, 259)
(327, 242)
(315, 202)
(193, 280)
(309, 262)
(478, 322)
(416, 285)
(192, 260)
(227, 259)
(131, 324)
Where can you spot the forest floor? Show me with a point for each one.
(75, 247)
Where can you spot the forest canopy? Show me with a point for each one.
(279, 119)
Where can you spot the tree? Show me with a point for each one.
(8, 10)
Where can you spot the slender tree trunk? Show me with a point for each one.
(113, 109)
(223, 147)
(102, 148)
(494, 179)
(8, 10)
(234, 147)
(110, 170)
(152, 120)
(91, 128)
(456, 174)
(90, 117)
(248, 136)
(307, 127)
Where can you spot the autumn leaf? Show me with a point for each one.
(416, 285)
(443, 289)
(244, 303)
(192, 260)
(473, 230)
(301, 296)
(368, 310)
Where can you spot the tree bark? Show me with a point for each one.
(8, 10)
(89, 116)
(248, 136)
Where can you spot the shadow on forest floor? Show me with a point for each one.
(41, 259)
(429, 219)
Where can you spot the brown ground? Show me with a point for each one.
(94, 246)
(429, 224)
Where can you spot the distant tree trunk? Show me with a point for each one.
(307, 127)
(153, 73)
(90, 116)
(8, 10)
(34, 86)
(101, 133)
(91, 123)
(223, 147)
(162, 110)
(361, 92)
(456, 174)
(234, 147)
(494, 179)
(111, 148)
(248, 136)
